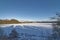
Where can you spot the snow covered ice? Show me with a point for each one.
(30, 31)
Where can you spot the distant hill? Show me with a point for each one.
(12, 21)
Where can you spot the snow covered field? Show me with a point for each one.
(29, 31)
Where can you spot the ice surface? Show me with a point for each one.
(30, 31)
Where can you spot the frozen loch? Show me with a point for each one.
(28, 31)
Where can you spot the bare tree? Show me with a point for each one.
(56, 27)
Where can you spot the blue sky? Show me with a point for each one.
(28, 9)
